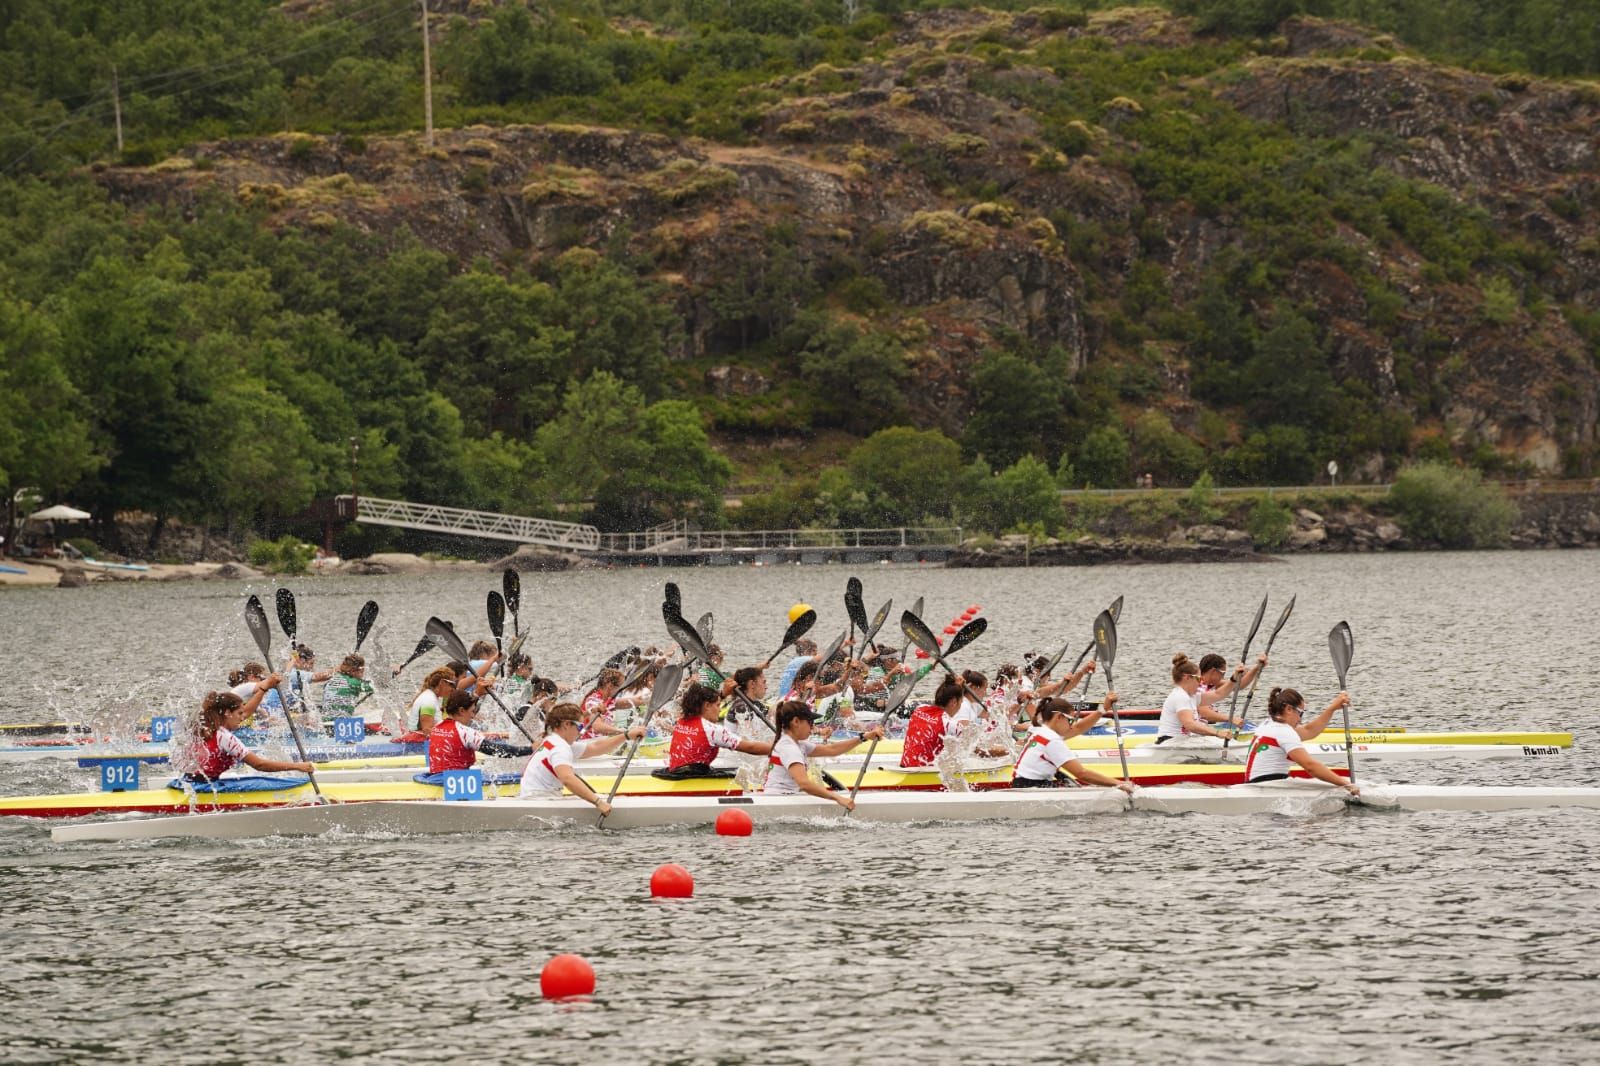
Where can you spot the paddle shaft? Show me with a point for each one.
(1244, 658)
(1116, 723)
(1232, 724)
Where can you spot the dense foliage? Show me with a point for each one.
(209, 366)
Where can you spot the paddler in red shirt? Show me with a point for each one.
(929, 723)
(698, 735)
(454, 744)
(216, 750)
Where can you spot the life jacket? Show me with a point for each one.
(211, 762)
(924, 736)
(446, 751)
(689, 744)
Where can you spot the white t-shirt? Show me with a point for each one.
(785, 754)
(1269, 750)
(245, 689)
(1176, 703)
(969, 712)
(427, 700)
(539, 779)
(1044, 754)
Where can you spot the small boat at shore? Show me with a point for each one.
(567, 812)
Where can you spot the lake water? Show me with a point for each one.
(1353, 938)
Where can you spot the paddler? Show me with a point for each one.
(1046, 753)
(454, 744)
(929, 724)
(597, 704)
(427, 709)
(550, 771)
(1182, 713)
(215, 750)
(346, 688)
(790, 773)
(1214, 686)
(1281, 740)
(698, 735)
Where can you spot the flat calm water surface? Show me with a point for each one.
(1361, 937)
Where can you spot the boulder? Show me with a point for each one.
(535, 558)
(1308, 517)
(72, 579)
(236, 572)
(1388, 532)
(1306, 539)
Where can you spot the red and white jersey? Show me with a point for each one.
(1172, 710)
(696, 740)
(1269, 750)
(596, 708)
(1043, 754)
(214, 757)
(539, 778)
(785, 753)
(452, 746)
(924, 736)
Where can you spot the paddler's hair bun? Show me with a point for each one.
(1283, 699)
(1182, 667)
(220, 702)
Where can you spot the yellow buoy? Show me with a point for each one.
(797, 610)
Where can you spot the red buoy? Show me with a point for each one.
(734, 823)
(921, 654)
(672, 881)
(565, 976)
(949, 630)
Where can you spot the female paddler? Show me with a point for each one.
(215, 750)
(551, 770)
(790, 773)
(1281, 740)
(1187, 708)
(1047, 753)
(427, 708)
(698, 735)
(454, 744)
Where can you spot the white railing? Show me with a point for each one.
(460, 521)
(678, 537)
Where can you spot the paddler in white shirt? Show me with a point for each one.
(550, 770)
(790, 773)
(1187, 709)
(1281, 741)
(1046, 752)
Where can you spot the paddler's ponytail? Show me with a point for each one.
(1283, 699)
(1049, 709)
(1182, 667)
(212, 710)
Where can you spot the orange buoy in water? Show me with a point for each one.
(565, 976)
(672, 881)
(734, 823)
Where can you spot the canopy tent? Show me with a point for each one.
(59, 513)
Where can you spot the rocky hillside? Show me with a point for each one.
(937, 191)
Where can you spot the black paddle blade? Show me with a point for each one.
(255, 616)
(511, 585)
(853, 605)
(679, 629)
(830, 651)
(364, 620)
(1256, 625)
(1282, 618)
(703, 627)
(445, 638)
(638, 671)
(1342, 645)
(497, 614)
(617, 660)
(1055, 662)
(1105, 639)
(918, 633)
(966, 635)
(916, 609)
(286, 615)
(877, 622)
(898, 695)
(674, 597)
(666, 686)
(799, 628)
(423, 647)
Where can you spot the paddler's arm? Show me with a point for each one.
(1083, 773)
(839, 747)
(802, 780)
(1310, 728)
(502, 749)
(1191, 722)
(262, 688)
(1090, 719)
(258, 762)
(569, 777)
(754, 747)
(606, 745)
(1308, 762)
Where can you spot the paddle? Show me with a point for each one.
(916, 609)
(497, 626)
(666, 687)
(423, 647)
(286, 618)
(255, 616)
(797, 629)
(364, 620)
(703, 627)
(918, 632)
(1342, 645)
(896, 698)
(511, 584)
(854, 609)
(441, 633)
(1245, 658)
(674, 597)
(1282, 618)
(1105, 644)
(1115, 611)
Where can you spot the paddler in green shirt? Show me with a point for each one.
(345, 688)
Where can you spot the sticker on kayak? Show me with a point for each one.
(463, 784)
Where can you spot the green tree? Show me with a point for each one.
(616, 321)
(676, 472)
(908, 474)
(1022, 495)
(595, 434)
(1451, 506)
(1102, 459)
(857, 379)
(1017, 408)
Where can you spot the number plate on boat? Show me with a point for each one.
(161, 729)
(119, 775)
(349, 730)
(463, 784)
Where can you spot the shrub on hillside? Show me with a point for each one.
(1269, 523)
(286, 555)
(1451, 506)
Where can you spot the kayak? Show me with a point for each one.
(423, 817)
(996, 774)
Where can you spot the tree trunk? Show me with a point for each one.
(155, 536)
(10, 545)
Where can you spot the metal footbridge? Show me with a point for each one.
(433, 518)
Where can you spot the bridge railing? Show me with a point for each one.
(463, 522)
(678, 537)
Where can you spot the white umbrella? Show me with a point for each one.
(60, 513)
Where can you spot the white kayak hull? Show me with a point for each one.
(1295, 798)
